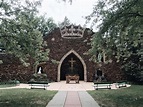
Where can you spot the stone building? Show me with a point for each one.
(69, 46)
(68, 50)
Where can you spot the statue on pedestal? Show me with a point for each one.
(99, 76)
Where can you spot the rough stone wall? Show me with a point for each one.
(60, 46)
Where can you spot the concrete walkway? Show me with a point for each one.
(72, 99)
(72, 86)
(72, 95)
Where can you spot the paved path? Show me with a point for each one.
(72, 86)
(72, 99)
(72, 95)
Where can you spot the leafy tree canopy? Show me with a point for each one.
(66, 22)
(120, 32)
(22, 30)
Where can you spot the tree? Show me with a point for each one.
(21, 30)
(66, 22)
(46, 25)
(120, 33)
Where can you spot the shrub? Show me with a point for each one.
(39, 77)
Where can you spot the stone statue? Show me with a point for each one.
(99, 76)
(99, 57)
(39, 71)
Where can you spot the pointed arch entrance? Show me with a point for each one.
(73, 59)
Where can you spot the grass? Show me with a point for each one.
(25, 97)
(7, 85)
(124, 97)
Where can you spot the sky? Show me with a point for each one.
(75, 12)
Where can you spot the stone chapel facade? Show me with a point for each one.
(72, 43)
(68, 45)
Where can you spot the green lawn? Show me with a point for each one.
(7, 85)
(124, 97)
(25, 97)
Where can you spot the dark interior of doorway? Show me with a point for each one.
(77, 65)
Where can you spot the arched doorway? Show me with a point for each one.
(72, 59)
(72, 66)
